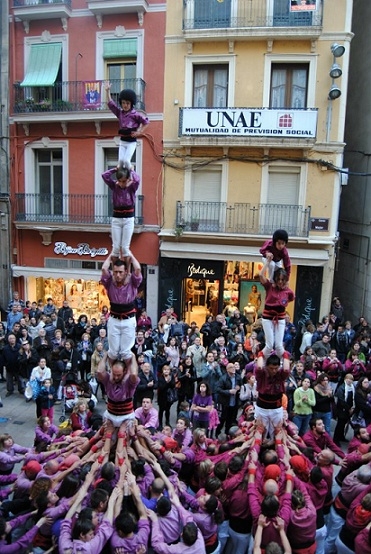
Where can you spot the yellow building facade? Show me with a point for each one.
(252, 143)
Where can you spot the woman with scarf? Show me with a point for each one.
(324, 400)
(345, 406)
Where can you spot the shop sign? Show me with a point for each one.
(257, 122)
(82, 249)
(198, 270)
(319, 224)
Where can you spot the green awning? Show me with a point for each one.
(120, 48)
(43, 65)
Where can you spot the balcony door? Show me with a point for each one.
(211, 14)
(281, 210)
(49, 179)
(206, 212)
(284, 17)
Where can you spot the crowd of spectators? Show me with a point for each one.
(201, 474)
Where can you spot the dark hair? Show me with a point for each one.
(280, 234)
(129, 95)
(163, 506)
(69, 486)
(270, 506)
(212, 484)
(125, 523)
(82, 527)
(189, 533)
(122, 173)
(98, 496)
(315, 475)
(207, 388)
(280, 272)
(273, 359)
(137, 467)
(236, 464)
(221, 470)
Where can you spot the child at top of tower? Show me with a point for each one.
(277, 247)
(132, 123)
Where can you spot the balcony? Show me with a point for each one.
(28, 10)
(109, 7)
(241, 218)
(88, 98)
(67, 211)
(244, 19)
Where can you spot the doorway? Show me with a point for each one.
(200, 297)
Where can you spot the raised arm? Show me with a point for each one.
(135, 264)
(263, 270)
(105, 266)
(102, 371)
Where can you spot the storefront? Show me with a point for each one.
(71, 271)
(210, 282)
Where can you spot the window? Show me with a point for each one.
(210, 86)
(49, 182)
(42, 83)
(281, 198)
(212, 14)
(205, 209)
(120, 58)
(284, 17)
(289, 85)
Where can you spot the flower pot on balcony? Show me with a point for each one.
(194, 225)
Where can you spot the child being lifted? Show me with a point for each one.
(132, 123)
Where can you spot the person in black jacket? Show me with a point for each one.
(345, 406)
(147, 385)
(228, 390)
(10, 357)
(166, 382)
(65, 312)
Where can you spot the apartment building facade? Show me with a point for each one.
(252, 142)
(63, 137)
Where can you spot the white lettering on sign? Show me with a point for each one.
(306, 312)
(170, 299)
(263, 122)
(82, 249)
(193, 270)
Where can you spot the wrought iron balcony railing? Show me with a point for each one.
(27, 3)
(73, 209)
(73, 96)
(234, 14)
(241, 218)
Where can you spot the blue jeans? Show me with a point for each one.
(302, 423)
(326, 418)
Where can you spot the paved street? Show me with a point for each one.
(21, 416)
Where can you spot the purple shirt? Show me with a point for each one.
(150, 419)
(119, 391)
(122, 196)
(66, 544)
(161, 547)
(202, 402)
(130, 544)
(46, 436)
(8, 458)
(121, 295)
(128, 120)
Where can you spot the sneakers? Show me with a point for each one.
(9, 393)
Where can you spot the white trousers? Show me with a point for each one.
(122, 230)
(272, 266)
(271, 418)
(121, 337)
(273, 331)
(126, 152)
(320, 539)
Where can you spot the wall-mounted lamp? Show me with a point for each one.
(334, 92)
(337, 50)
(335, 71)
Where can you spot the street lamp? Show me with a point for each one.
(337, 51)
